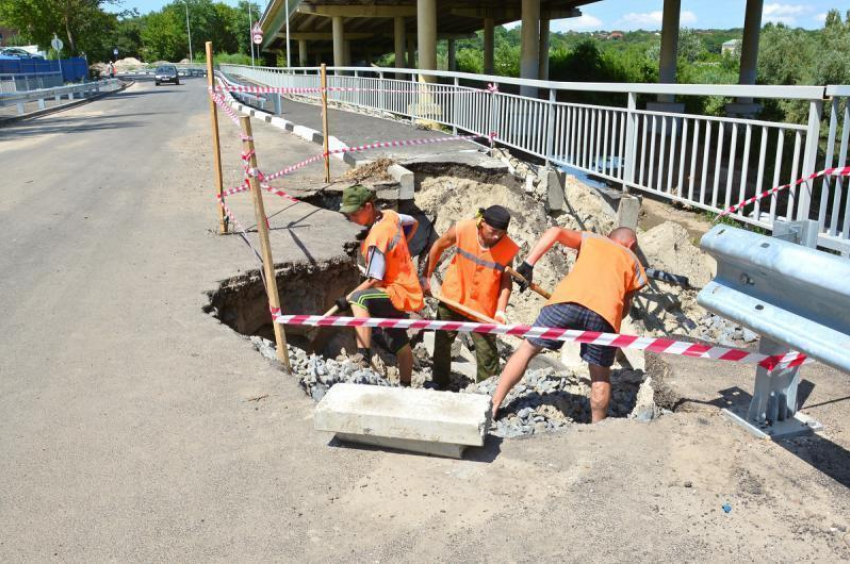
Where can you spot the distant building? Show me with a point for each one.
(615, 35)
(730, 47)
(6, 33)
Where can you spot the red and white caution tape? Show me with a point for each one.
(222, 103)
(652, 344)
(826, 172)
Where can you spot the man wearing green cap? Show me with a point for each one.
(476, 279)
(391, 288)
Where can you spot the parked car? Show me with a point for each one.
(18, 53)
(166, 74)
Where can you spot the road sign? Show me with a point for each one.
(115, 51)
(56, 43)
(257, 34)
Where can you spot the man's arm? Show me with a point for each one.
(409, 225)
(566, 237)
(505, 287)
(446, 240)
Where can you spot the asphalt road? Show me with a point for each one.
(135, 427)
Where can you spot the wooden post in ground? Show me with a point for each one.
(265, 246)
(219, 183)
(325, 121)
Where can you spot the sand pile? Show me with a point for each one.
(128, 62)
(670, 249)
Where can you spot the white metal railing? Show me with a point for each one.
(42, 95)
(706, 162)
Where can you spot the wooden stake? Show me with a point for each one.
(325, 121)
(219, 183)
(265, 246)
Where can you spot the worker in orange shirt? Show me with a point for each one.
(391, 288)
(594, 296)
(476, 279)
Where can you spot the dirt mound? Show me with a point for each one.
(670, 248)
(375, 171)
(129, 62)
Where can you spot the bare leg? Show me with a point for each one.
(600, 392)
(405, 365)
(513, 372)
(364, 334)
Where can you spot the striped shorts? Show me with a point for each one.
(378, 304)
(575, 316)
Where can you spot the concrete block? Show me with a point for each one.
(554, 182)
(628, 211)
(409, 419)
(405, 179)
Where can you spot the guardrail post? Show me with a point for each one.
(20, 106)
(631, 142)
(41, 103)
(810, 158)
(550, 125)
(455, 99)
(381, 94)
(265, 245)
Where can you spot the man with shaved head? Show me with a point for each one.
(594, 296)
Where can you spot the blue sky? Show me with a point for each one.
(646, 14)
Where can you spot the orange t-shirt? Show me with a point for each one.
(603, 274)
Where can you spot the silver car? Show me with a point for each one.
(166, 74)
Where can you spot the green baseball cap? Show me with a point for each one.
(354, 197)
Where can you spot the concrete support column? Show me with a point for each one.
(669, 45)
(339, 45)
(302, 52)
(426, 33)
(543, 68)
(399, 36)
(530, 49)
(489, 45)
(750, 45)
(411, 53)
(452, 48)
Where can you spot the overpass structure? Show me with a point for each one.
(345, 32)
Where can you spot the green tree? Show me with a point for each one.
(75, 21)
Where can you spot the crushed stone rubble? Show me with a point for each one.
(544, 401)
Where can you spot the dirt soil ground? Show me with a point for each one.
(135, 427)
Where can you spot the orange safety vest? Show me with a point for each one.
(474, 276)
(603, 274)
(400, 281)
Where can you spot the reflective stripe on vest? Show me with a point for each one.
(480, 261)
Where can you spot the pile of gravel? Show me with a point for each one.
(543, 401)
(726, 333)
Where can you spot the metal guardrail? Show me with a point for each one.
(16, 82)
(795, 297)
(43, 94)
(706, 162)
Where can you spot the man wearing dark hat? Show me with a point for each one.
(391, 288)
(477, 280)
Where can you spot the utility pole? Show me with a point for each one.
(250, 32)
(189, 32)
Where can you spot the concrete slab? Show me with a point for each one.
(405, 179)
(404, 418)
